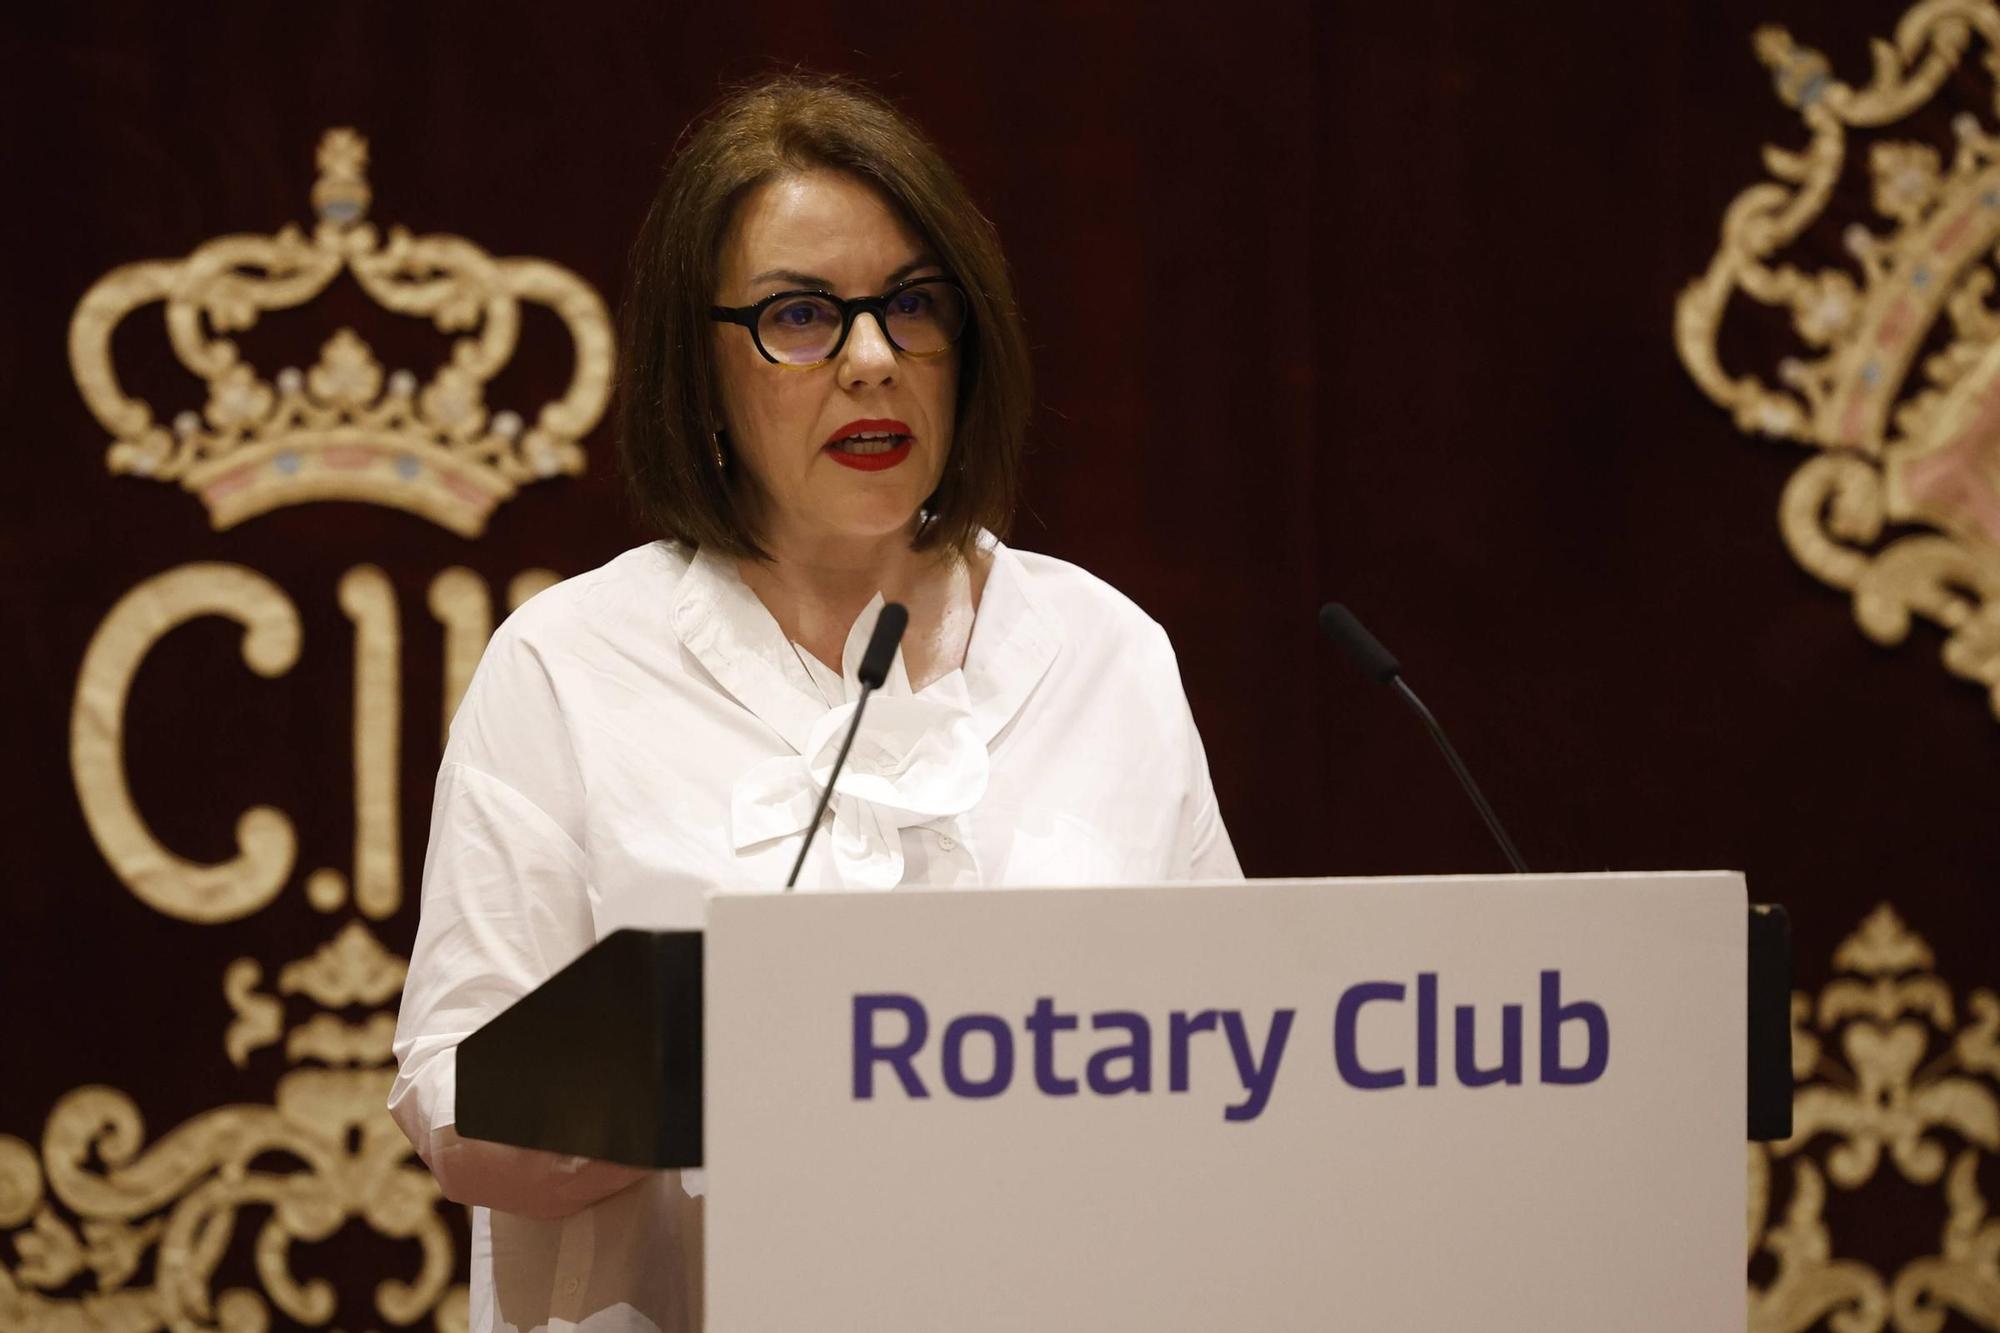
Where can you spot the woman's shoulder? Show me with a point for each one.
(1089, 612)
(619, 596)
(574, 632)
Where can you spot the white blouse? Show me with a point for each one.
(643, 736)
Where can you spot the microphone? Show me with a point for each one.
(874, 669)
(1376, 662)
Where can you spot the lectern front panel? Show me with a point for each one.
(1448, 1103)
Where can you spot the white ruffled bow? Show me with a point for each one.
(917, 760)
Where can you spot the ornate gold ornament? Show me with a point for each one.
(1891, 1083)
(101, 1230)
(182, 1199)
(1896, 383)
(344, 429)
(95, 1201)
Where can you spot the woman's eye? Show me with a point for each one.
(912, 303)
(799, 314)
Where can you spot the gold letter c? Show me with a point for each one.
(265, 842)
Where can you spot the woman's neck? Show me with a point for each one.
(816, 589)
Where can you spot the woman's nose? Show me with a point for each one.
(869, 357)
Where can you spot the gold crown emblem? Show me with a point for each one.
(1896, 379)
(344, 429)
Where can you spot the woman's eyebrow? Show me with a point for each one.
(920, 262)
(793, 276)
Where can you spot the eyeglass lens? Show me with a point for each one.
(923, 318)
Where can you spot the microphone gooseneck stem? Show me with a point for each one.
(826, 795)
(1464, 774)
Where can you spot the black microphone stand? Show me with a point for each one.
(1464, 775)
(874, 669)
(1380, 665)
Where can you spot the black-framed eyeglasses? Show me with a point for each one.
(800, 330)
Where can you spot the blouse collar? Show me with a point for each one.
(927, 758)
(738, 642)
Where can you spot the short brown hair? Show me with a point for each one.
(671, 401)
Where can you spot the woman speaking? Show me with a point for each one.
(826, 392)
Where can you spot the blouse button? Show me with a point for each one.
(947, 844)
(569, 1286)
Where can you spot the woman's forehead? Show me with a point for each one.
(822, 223)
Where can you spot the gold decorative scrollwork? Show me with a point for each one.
(1886, 1074)
(330, 1041)
(323, 1154)
(259, 1018)
(184, 1194)
(101, 1231)
(352, 968)
(96, 1201)
(20, 1181)
(1905, 440)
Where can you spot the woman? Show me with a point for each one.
(827, 391)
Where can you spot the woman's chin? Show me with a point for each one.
(878, 515)
(866, 522)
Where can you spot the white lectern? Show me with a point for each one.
(1497, 1103)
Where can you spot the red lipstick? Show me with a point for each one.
(870, 445)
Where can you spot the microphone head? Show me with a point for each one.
(1361, 647)
(889, 627)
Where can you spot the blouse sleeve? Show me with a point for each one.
(505, 906)
(1209, 853)
(1202, 849)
